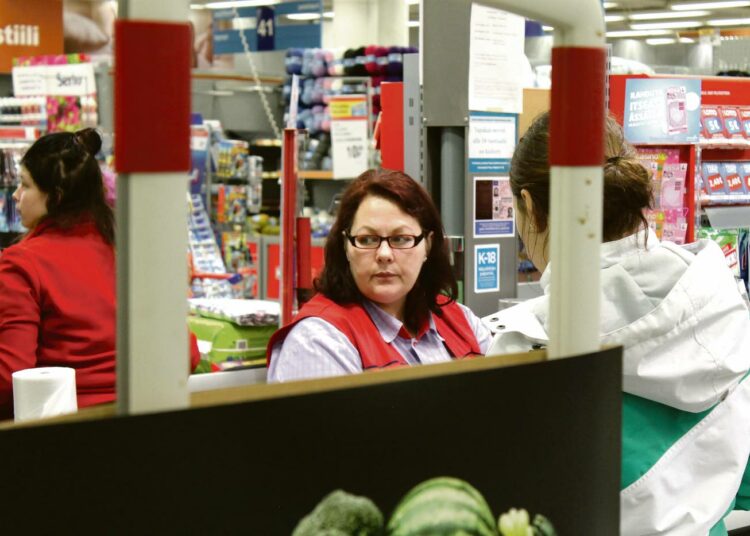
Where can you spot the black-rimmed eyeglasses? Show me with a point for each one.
(370, 241)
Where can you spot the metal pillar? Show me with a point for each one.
(452, 162)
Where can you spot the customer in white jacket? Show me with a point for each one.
(685, 326)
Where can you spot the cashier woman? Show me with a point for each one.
(386, 295)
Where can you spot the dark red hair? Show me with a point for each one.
(336, 281)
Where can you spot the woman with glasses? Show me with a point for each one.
(386, 295)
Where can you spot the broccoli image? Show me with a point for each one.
(342, 514)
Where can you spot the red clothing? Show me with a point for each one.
(57, 308)
(354, 322)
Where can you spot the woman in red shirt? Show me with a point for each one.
(57, 285)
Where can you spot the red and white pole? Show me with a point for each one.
(576, 174)
(152, 143)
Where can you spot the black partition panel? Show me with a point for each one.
(543, 436)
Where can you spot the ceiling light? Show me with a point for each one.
(609, 5)
(328, 14)
(241, 3)
(413, 24)
(687, 40)
(412, 2)
(728, 22)
(660, 41)
(303, 16)
(637, 33)
(656, 15)
(613, 18)
(548, 28)
(711, 5)
(667, 25)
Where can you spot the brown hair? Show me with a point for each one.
(627, 184)
(436, 277)
(63, 166)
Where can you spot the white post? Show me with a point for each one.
(576, 158)
(152, 337)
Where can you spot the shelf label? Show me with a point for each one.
(349, 127)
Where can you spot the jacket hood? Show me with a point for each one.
(694, 346)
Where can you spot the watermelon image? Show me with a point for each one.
(442, 506)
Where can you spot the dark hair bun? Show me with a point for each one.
(90, 139)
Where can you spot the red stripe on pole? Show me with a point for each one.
(304, 254)
(577, 112)
(152, 96)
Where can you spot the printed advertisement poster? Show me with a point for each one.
(662, 111)
(348, 135)
(486, 268)
(492, 139)
(496, 42)
(493, 207)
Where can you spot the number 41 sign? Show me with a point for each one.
(349, 129)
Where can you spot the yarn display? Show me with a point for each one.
(323, 74)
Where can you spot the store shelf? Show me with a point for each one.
(728, 217)
(724, 144)
(725, 199)
(271, 174)
(19, 133)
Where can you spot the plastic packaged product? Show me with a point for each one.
(711, 124)
(673, 186)
(744, 169)
(730, 117)
(728, 241)
(744, 112)
(676, 113)
(713, 179)
(732, 179)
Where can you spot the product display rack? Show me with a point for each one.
(722, 210)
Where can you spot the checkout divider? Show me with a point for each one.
(526, 432)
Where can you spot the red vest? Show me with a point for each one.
(354, 322)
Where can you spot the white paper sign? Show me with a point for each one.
(495, 60)
(348, 148)
(349, 133)
(492, 137)
(74, 79)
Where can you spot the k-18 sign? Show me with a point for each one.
(486, 268)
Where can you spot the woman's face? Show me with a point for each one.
(385, 275)
(31, 202)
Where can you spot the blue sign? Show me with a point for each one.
(265, 28)
(285, 25)
(665, 110)
(486, 268)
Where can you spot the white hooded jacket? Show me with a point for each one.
(685, 327)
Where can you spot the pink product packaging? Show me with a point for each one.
(732, 179)
(673, 186)
(712, 178)
(731, 119)
(744, 112)
(711, 124)
(676, 113)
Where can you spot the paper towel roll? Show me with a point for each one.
(44, 392)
